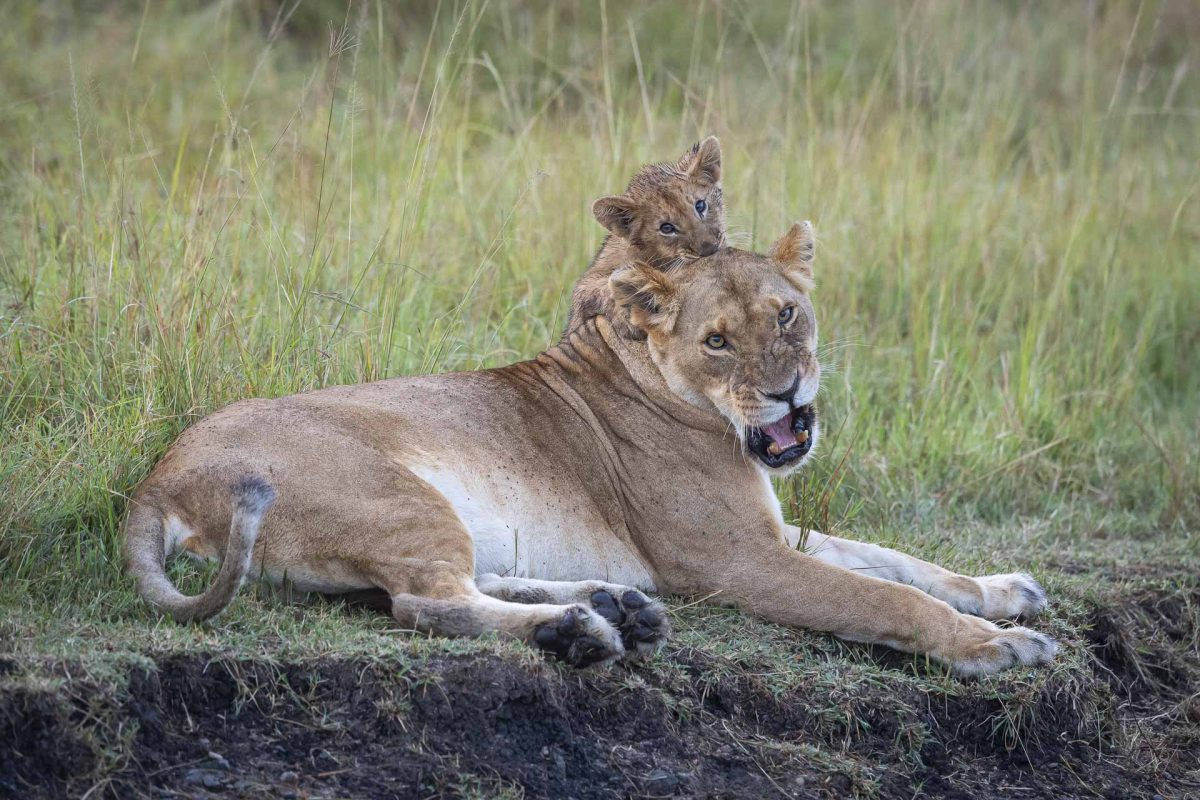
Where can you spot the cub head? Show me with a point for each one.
(735, 333)
(671, 213)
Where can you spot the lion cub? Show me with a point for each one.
(670, 214)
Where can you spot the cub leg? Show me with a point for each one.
(796, 589)
(1014, 595)
(641, 620)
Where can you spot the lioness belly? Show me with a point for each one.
(532, 531)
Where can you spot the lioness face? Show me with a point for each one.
(736, 333)
(671, 213)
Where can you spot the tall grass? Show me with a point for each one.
(203, 204)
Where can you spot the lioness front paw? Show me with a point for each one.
(580, 637)
(1004, 649)
(642, 621)
(1015, 595)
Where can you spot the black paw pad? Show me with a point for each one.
(567, 640)
(648, 624)
(632, 599)
(644, 623)
(606, 606)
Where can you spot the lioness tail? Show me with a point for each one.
(146, 557)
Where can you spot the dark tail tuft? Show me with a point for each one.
(253, 495)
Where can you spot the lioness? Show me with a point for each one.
(490, 501)
(669, 214)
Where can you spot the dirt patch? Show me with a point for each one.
(1149, 643)
(1147, 648)
(41, 746)
(333, 728)
(204, 725)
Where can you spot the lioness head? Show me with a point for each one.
(735, 332)
(671, 212)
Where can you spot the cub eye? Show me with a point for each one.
(716, 341)
(701, 207)
(667, 228)
(785, 316)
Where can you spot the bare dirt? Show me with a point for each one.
(209, 725)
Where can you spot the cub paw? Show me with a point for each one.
(1015, 595)
(1005, 649)
(580, 637)
(641, 621)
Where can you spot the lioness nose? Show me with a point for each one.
(708, 248)
(787, 394)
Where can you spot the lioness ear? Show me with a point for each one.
(647, 295)
(615, 213)
(703, 161)
(794, 250)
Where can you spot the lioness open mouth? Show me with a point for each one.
(785, 440)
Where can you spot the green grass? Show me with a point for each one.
(202, 205)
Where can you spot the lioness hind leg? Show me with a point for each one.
(1014, 595)
(574, 633)
(641, 620)
(404, 538)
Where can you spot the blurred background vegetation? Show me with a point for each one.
(201, 202)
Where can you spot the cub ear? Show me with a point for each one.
(703, 161)
(615, 213)
(647, 295)
(794, 251)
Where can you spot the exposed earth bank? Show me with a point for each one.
(480, 725)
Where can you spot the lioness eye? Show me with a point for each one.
(701, 207)
(667, 228)
(716, 341)
(785, 316)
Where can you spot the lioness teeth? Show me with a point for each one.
(801, 437)
(774, 449)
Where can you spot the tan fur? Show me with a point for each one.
(658, 193)
(601, 458)
(796, 247)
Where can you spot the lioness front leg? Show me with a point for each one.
(796, 589)
(1014, 595)
(641, 620)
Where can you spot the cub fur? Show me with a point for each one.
(684, 195)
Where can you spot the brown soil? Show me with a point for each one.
(211, 726)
